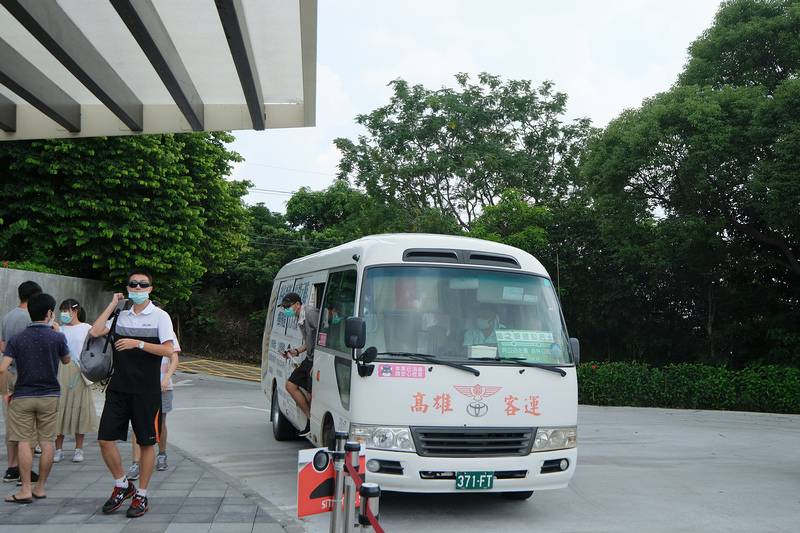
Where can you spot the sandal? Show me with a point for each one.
(21, 500)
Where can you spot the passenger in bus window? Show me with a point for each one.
(335, 327)
(308, 323)
(483, 328)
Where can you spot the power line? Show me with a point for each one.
(270, 191)
(290, 169)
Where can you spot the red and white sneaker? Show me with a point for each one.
(117, 497)
(138, 507)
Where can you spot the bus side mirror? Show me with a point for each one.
(575, 346)
(363, 362)
(368, 355)
(355, 332)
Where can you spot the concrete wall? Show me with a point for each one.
(88, 292)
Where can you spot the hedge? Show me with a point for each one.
(770, 389)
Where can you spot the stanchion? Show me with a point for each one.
(368, 514)
(351, 449)
(338, 456)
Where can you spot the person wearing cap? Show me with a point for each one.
(308, 323)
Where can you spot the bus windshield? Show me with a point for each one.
(463, 315)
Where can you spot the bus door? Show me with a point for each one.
(332, 358)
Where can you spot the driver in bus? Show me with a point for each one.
(300, 378)
(484, 331)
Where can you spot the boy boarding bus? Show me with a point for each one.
(466, 380)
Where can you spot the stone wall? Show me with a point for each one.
(88, 292)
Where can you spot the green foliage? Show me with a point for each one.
(98, 207)
(696, 194)
(515, 222)
(752, 42)
(31, 266)
(456, 151)
(199, 313)
(247, 279)
(318, 210)
(772, 389)
(341, 214)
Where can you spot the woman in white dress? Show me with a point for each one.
(76, 412)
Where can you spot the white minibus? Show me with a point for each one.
(447, 357)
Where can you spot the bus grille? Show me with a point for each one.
(472, 442)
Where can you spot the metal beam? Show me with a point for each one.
(51, 26)
(308, 50)
(231, 14)
(144, 23)
(8, 115)
(19, 75)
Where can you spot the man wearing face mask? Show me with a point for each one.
(485, 324)
(308, 323)
(334, 332)
(143, 335)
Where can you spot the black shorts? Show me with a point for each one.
(302, 375)
(143, 411)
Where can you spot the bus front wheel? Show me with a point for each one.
(282, 429)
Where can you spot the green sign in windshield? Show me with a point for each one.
(533, 346)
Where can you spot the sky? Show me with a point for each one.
(606, 55)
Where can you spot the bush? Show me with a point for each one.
(33, 266)
(771, 389)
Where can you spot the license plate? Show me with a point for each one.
(474, 480)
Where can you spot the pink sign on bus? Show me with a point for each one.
(401, 371)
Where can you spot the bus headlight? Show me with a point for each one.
(383, 437)
(557, 438)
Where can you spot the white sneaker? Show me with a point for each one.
(77, 457)
(57, 456)
(133, 473)
(161, 462)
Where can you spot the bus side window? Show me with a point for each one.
(339, 304)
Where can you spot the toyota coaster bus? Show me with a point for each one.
(447, 357)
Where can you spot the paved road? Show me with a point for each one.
(638, 469)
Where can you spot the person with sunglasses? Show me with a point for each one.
(143, 335)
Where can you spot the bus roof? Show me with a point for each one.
(417, 248)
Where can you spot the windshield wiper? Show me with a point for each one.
(433, 359)
(522, 362)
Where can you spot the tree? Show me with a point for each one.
(271, 244)
(458, 150)
(711, 166)
(751, 43)
(101, 206)
(341, 214)
(317, 210)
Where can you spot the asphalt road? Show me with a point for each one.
(638, 469)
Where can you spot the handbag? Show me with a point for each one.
(97, 355)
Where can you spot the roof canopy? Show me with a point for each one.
(84, 68)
